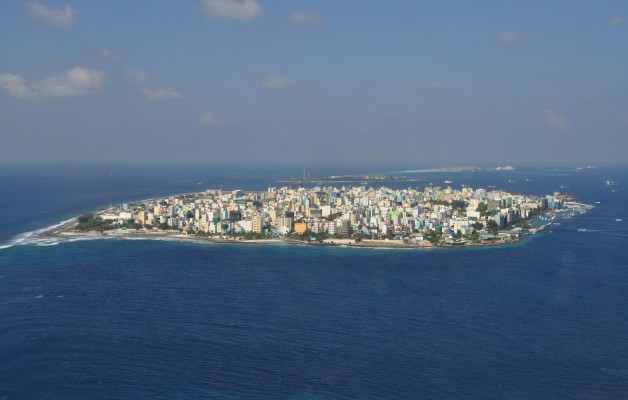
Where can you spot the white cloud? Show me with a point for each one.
(508, 38)
(434, 85)
(272, 81)
(243, 10)
(554, 119)
(15, 85)
(209, 119)
(152, 90)
(305, 18)
(76, 82)
(276, 82)
(107, 54)
(137, 77)
(615, 21)
(162, 94)
(57, 17)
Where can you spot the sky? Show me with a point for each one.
(320, 81)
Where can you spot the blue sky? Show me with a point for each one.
(451, 82)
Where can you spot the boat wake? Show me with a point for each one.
(609, 232)
(603, 218)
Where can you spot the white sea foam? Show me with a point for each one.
(35, 237)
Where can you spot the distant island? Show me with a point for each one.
(389, 178)
(503, 168)
(352, 216)
(352, 178)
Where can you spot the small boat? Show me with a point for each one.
(618, 219)
(582, 230)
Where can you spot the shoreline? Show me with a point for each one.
(65, 232)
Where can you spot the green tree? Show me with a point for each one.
(88, 223)
(321, 236)
(478, 226)
(334, 216)
(358, 237)
(433, 237)
(482, 209)
(460, 204)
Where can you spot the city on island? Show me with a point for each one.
(354, 216)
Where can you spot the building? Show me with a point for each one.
(300, 227)
(330, 227)
(141, 217)
(256, 224)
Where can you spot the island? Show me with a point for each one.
(383, 178)
(350, 178)
(349, 215)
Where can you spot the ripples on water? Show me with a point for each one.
(105, 319)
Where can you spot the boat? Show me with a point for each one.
(582, 230)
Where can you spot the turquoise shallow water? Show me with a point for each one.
(155, 319)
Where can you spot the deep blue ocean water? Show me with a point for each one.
(116, 319)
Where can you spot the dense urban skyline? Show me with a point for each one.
(316, 81)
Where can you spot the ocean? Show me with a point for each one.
(122, 319)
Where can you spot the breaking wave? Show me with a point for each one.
(36, 237)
